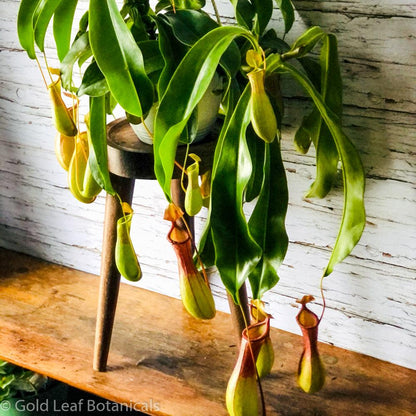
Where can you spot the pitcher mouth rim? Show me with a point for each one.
(255, 326)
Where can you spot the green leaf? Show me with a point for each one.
(288, 13)
(305, 43)
(190, 25)
(152, 57)
(353, 215)
(84, 58)
(172, 53)
(119, 58)
(139, 21)
(244, 13)
(256, 149)
(23, 384)
(162, 4)
(263, 13)
(6, 368)
(25, 26)
(62, 26)
(312, 68)
(270, 41)
(326, 150)
(179, 4)
(267, 222)
(93, 82)
(189, 4)
(110, 103)
(83, 23)
(273, 90)
(185, 90)
(307, 131)
(45, 11)
(80, 47)
(98, 159)
(236, 253)
(331, 80)
(206, 245)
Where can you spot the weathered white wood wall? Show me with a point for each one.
(371, 297)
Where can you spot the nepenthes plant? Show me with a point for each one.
(165, 57)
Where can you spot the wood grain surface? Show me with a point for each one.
(162, 357)
(371, 304)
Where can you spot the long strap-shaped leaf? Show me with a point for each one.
(45, 11)
(305, 43)
(62, 25)
(93, 82)
(172, 53)
(288, 13)
(185, 90)
(98, 136)
(236, 253)
(244, 12)
(119, 58)
(353, 216)
(267, 222)
(256, 148)
(206, 245)
(78, 49)
(331, 92)
(263, 13)
(25, 26)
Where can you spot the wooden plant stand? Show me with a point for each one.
(130, 159)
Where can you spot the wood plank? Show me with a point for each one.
(161, 356)
(369, 295)
(361, 7)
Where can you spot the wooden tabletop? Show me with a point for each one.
(165, 362)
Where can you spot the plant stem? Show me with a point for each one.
(322, 296)
(183, 170)
(147, 128)
(41, 72)
(47, 67)
(239, 313)
(217, 15)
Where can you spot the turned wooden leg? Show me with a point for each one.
(239, 321)
(109, 275)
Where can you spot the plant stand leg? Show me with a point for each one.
(109, 275)
(239, 321)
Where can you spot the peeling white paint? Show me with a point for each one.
(371, 297)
